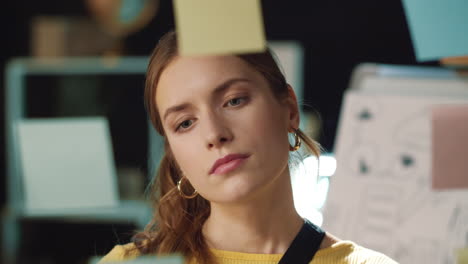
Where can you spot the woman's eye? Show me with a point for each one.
(185, 124)
(235, 101)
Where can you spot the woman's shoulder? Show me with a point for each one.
(120, 253)
(345, 251)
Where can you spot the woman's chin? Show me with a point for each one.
(235, 191)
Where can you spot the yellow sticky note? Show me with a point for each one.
(462, 256)
(215, 27)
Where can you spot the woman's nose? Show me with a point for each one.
(217, 131)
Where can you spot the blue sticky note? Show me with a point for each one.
(438, 27)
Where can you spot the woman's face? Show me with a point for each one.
(225, 128)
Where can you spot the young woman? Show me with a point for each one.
(223, 192)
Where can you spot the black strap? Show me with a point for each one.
(304, 246)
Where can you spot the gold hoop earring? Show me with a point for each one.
(179, 187)
(297, 143)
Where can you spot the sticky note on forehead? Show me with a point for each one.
(216, 27)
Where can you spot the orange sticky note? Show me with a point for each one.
(450, 147)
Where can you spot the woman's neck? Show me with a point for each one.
(265, 224)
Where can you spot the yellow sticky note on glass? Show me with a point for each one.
(462, 256)
(215, 27)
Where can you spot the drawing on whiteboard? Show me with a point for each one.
(365, 115)
(362, 159)
(382, 184)
(378, 210)
(458, 227)
(410, 203)
(414, 130)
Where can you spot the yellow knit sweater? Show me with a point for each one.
(343, 252)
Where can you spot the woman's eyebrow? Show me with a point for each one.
(218, 90)
(175, 108)
(223, 86)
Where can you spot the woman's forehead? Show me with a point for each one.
(194, 74)
(204, 68)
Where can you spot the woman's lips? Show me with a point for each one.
(228, 163)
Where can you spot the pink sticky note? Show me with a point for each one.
(450, 147)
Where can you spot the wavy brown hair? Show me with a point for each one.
(177, 223)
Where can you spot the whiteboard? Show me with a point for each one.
(381, 195)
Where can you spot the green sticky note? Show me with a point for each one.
(438, 27)
(216, 27)
(462, 256)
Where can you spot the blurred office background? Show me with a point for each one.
(335, 36)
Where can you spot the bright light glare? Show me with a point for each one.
(327, 165)
(309, 192)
